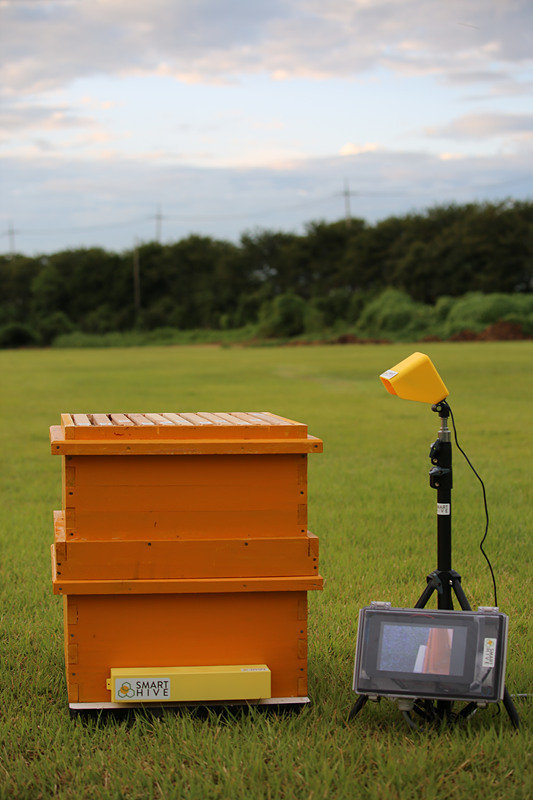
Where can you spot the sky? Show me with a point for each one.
(135, 120)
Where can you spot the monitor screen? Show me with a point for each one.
(422, 649)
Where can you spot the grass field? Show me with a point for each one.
(372, 508)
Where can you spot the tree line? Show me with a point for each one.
(336, 268)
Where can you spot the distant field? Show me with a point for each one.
(372, 508)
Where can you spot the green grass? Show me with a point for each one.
(373, 510)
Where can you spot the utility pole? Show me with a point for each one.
(136, 282)
(11, 233)
(347, 209)
(158, 221)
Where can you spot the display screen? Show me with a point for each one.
(421, 649)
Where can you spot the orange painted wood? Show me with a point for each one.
(163, 560)
(81, 561)
(213, 499)
(240, 472)
(195, 445)
(185, 630)
(294, 583)
(203, 524)
(162, 497)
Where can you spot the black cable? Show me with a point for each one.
(485, 505)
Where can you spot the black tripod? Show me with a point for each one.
(444, 580)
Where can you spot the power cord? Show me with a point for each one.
(485, 506)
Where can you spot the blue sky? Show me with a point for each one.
(227, 115)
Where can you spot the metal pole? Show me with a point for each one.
(440, 478)
(347, 209)
(444, 516)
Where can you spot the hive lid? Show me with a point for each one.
(180, 432)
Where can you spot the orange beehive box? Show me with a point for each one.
(183, 542)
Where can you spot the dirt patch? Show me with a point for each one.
(465, 336)
(344, 338)
(498, 332)
(349, 338)
(501, 331)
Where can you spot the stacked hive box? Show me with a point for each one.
(183, 556)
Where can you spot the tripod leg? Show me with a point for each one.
(468, 711)
(444, 709)
(461, 596)
(357, 706)
(424, 597)
(511, 710)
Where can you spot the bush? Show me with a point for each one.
(99, 320)
(333, 306)
(163, 335)
(358, 300)
(475, 311)
(443, 306)
(159, 336)
(284, 316)
(314, 318)
(17, 334)
(394, 314)
(54, 325)
(162, 313)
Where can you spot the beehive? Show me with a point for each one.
(183, 542)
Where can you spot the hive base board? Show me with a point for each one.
(268, 701)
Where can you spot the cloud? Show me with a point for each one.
(25, 116)
(49, 44)
(484, 126)
(351, 149)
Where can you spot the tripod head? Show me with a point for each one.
(442, 409)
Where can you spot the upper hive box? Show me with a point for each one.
(168, 476)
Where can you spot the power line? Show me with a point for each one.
(251, 214)
(347, 193)
(82, 228)
(159, 217)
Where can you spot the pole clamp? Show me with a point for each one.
(440, 478)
